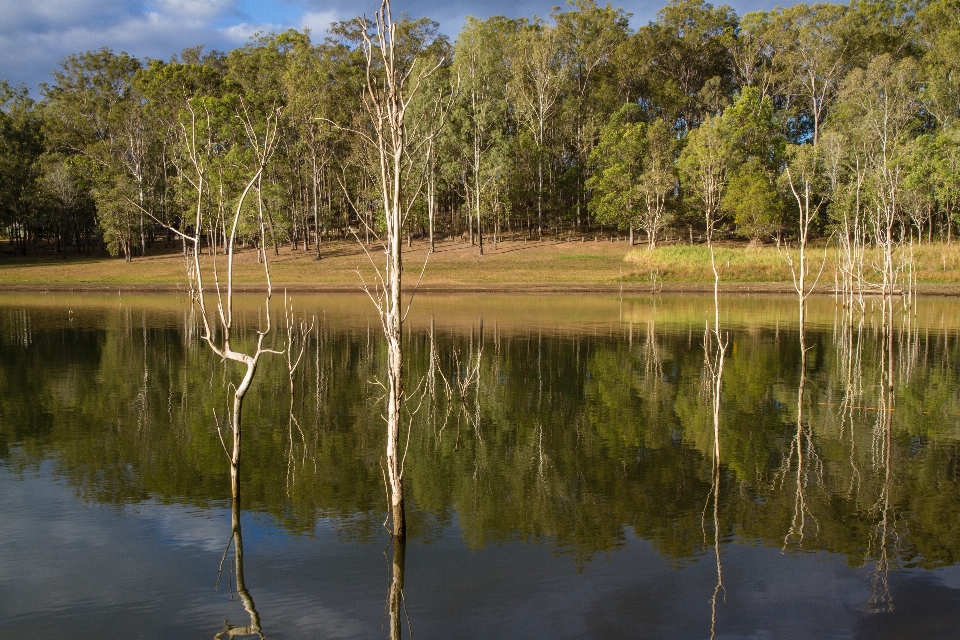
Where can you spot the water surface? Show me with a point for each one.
(559, 471)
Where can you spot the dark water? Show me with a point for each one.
(565, 492)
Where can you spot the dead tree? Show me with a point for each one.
(393, 78)
(218, 329)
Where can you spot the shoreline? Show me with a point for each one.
(633, 288)
(513, 267)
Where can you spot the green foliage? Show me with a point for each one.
(754, 203)
(21, 146)
(618, 162)
(533, 100)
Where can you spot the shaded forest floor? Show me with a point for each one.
(549, 265)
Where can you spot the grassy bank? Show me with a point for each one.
(935, 264)
(454, 266)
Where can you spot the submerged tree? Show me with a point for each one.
(205, 127)
(394, 75)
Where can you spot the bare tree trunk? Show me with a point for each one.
(236, 537)
(395, 599)
(540, 195)
(476, 182)
(393, 328)
(386, 96)
(431, 195)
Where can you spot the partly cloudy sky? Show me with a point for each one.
(36, 34)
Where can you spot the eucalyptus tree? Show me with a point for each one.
(537, 71)
(96, 111)
(168, 89)
(479, 117)
(939, 31)
(64, 200)
(21, 147)
(634, 173)
(758, 153)
(689, 58)
(311, 85)
(256, 71)
(943, 177)
(752, 50)
(588, 37)
(705, 165)
(618, 163)
(815, 47)
(430, 110)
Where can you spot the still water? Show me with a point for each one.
(559, 471)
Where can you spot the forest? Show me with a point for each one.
(836, 121)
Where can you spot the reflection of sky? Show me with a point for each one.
(35, 36)
(149, 571)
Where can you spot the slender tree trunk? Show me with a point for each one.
(395, 599)
(431, 199)
(393, 327)
(540, 197)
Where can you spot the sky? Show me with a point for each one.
(35, 35)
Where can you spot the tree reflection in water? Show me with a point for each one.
(587, 438)
(396, 605)
(714, 351)
(883, 541)
(236, 539)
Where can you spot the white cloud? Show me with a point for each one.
(55, 15)
(238, 34)
(198, 10)
(318, 22)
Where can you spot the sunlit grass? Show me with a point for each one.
(457, 265)
(453, 264)
(933, 263)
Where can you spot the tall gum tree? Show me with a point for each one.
(21, 147)
(588, 37)
(536, 81)
(97, 112)
(686, 49)
(478, 117)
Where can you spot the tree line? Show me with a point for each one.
(830, 119)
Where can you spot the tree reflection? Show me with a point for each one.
(714, 353)
(396, 606)
(298, 334)
(585, 441)
(883, 537)
(809, 469)
(242, 593)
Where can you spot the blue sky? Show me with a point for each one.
(35, 35)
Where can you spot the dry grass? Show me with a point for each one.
(455, 265)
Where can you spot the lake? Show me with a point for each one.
(561, 471)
